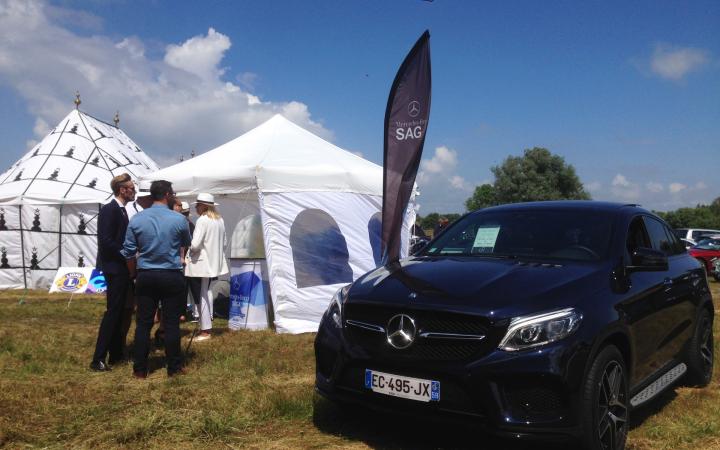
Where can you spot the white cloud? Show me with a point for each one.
(443, 160)
(200, 55)
(700, 185)
(620, 180)
(443, 189)
(674, 188)
(458, 182)
(593, 186)
(674, 63)
(624, 190)
(654, 187)
(169, 104)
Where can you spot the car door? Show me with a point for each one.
(643, 307)
(678, 308)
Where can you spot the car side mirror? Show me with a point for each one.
(647, 260)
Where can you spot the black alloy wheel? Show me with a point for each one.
(612, 408)
(701, 356)
(606, 408)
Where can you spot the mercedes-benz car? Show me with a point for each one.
(548, 319)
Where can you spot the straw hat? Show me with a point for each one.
(206, 199)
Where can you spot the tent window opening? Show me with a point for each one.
(319, 250)
(374, 235)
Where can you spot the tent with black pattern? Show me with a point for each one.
(50, 198)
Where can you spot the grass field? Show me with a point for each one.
(243, 390)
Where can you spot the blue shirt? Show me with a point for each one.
(155, 236)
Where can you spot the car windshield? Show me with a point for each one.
(708, 244)
(574, 235)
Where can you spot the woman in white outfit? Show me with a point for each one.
(206, 257)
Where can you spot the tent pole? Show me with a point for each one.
(22, 246)
(60, 239)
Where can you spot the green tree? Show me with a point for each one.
(537, 175)
(483, 197)
(701, 216)
(429, 221)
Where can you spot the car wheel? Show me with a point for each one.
(605, 402)
(716, 275)
(700, 357)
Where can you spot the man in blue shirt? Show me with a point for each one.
(152, 250)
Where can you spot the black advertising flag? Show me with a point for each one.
(406, 121)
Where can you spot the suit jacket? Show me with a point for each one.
(112, 225)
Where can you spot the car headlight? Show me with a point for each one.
(335, 308)
(540, 329)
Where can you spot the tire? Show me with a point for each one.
(716, 275)
(700, 358)
(605, 402)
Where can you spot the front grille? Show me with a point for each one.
(375, 343)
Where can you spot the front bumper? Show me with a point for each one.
(522, 394)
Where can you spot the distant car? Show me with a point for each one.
(694, 234)
(540, 319)
(705, 251)
(688, 242)
(716, 269)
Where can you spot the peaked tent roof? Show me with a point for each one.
(74, 163)
(276, 156)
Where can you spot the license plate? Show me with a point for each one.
(401, 386)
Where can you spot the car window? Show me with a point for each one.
(658, 238)
(708, 244)
(551, 234)
(676, 244)
(637, 236)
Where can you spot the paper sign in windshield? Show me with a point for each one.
(485, 239)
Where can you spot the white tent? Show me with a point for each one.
(49, 199)
(318, 207)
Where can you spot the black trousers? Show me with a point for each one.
(152, 286)
(110, 339)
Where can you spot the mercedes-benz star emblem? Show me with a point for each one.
(414, 108)
(401, 331)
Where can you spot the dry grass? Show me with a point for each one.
(243, 390)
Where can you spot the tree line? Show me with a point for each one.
(539, 175)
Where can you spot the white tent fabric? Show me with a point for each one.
(49, 199)
(319, 208)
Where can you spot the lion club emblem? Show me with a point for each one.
(71, 282)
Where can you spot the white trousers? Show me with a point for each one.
(206, 305)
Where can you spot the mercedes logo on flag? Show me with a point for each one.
(414, 108)
(401, 331)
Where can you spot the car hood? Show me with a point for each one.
(486, 286)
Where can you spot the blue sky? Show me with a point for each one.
(627, 92)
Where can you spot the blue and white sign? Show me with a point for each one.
(248, 295)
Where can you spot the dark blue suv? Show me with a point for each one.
(548, 319)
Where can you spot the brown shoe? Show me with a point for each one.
(139, 374)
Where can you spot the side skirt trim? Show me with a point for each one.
(659, 385)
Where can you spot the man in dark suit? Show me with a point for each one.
(112, 225)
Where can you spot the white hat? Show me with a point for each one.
(144, 188)
(207, 199)
(185, 207)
